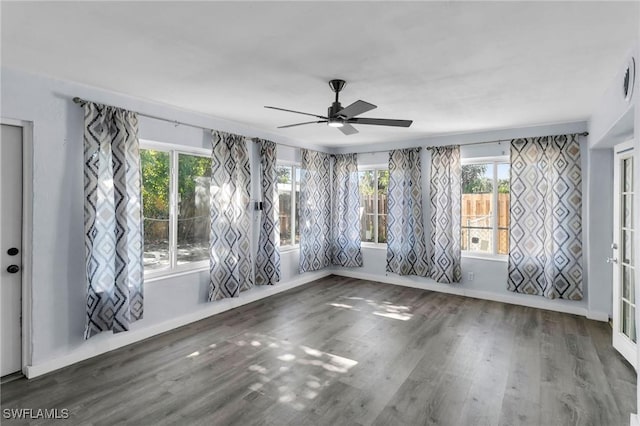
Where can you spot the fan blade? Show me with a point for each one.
(297, 112)
(356, 108)
(300, 124)
(348, 129)
(381, 122)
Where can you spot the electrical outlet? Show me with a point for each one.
(471, 276)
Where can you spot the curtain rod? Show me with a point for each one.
(177, 123)
(461, 145)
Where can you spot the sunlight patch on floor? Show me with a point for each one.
(394, 315)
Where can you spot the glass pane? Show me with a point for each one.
(284, 202)
(627, 247)
(627, 211)
(366, 179)
(628, 279)
(503, 195)
(503, 241)
(194, 202)
(477, 194)
(297, 212)
(383, 206)
(382, 228)
(155, 207)
(476, 239)
(632, 320)
(628, 326)
(627, 174)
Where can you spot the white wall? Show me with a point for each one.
(58, 282)
(612, 119)
(599, 227)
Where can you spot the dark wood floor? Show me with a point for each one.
(345, 351)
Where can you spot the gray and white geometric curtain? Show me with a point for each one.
(346, 211)
(545, 256)
(406, 247)
(445, 193)
(230, 244)
(315, 211)
(112, 219)
(268, 258)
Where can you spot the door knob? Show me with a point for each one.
(612, 260)
(12, 269)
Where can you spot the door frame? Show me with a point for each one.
(619, 150)
(27, 237)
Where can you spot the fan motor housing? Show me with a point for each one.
(333, 109)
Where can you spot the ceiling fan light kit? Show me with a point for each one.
(342, 118)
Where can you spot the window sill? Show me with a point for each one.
(483, 256)
(159, 276)
(287, 249)
(377, 246)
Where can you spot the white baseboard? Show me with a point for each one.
(135, 335)
(634, 420)
(431, 285)
(598, 316)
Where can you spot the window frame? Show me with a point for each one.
(294, 205)
(174, 151)
(495, 161)
(374, 168)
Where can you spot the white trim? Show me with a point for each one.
(152, 277)
(634, 420)
(287, 249)
(485, 160)
(431, 285)
(288, 163)
(27, 238)
(168, 147)
(375, 246)
(379, 166)
(122, 339)
(478, 255)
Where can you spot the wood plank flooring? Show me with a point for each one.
(342, 351)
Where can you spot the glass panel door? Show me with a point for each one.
(624, 308)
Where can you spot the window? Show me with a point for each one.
(373, 205)
(288, 201)
(485, 206)
(176, 209)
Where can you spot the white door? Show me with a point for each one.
(624, 223)
(11, 249)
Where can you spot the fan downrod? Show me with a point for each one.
(336, 86)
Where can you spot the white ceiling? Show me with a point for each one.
(452, 67)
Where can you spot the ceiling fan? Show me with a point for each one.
(343, 118)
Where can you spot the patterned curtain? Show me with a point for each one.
(230, 245)
(112, 219)
(406, 248)
(315, 211)
(268, 258)
(545, 255)
(445, 193)
(346, 211)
